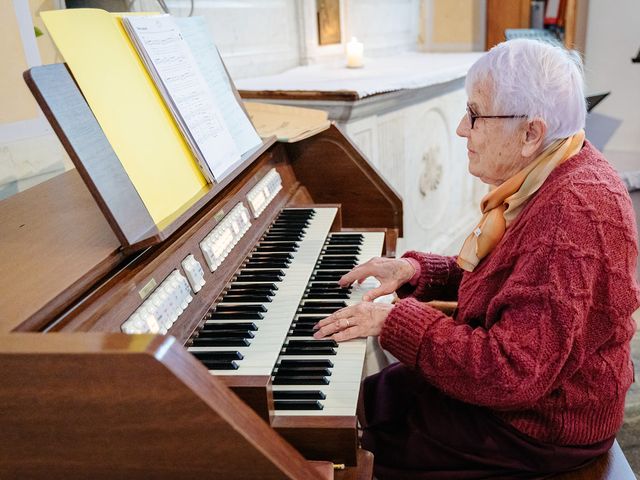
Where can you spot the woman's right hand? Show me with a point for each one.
(390, 272)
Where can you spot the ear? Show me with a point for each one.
(533, 137)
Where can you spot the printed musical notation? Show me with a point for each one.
(173, 68)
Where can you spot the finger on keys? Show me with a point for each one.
(374, 293)
(346, 334)
(335, 316)
(326, 326)
(358, 274)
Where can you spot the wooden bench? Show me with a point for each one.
(612, 466)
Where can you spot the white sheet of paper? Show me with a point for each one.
(177, 69)
(197, 35)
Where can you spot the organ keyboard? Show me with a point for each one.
(121, 356)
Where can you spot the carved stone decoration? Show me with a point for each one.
(428, 174)
(431, 171)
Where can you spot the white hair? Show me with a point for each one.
(535, 79)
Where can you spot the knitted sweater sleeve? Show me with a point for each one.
(533, 323)
(439, 278)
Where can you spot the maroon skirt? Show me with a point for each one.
(417, 432)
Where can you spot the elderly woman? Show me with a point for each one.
(528, 376)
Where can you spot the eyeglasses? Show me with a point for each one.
(471, 115)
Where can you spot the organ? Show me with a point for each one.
(141, 351)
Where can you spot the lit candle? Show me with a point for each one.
(355, 51)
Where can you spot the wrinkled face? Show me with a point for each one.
(494, 145)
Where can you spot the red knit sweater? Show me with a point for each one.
(543, 327)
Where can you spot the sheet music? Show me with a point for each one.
(171, 64)
(196, 34)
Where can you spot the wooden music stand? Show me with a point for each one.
(73, 121)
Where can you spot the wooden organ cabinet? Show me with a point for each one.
(132, 351)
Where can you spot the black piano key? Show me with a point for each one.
(324, 304)
(333, 296)
(290, 222)
(333, 267)
(253, 277)
(342, 249)
(220, 342)
(286, 227)
(315, 372)
(298, 395)
(267, 264)
(322, 310)
(302, 332)
(276, 248)
(307, 328)
(234, 316)
(299, 380)
(262, 271)
(310, 320)
(264, 243)
(322, 363)
(289, 213)
(225, 334)
(346, 241)
(218, 356)
(346, 235)
(220, 365)
(252, 287)
(309, 351)
(298, 211)
(225, 326)
(287, 237)
(297, 405)
(337, 262)
(239, 307)
(338, 259)
(324, 287)
(332, 276)
(247, 298)
(311, 343)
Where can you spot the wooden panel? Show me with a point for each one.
(505, 14)
(88, 147)
(55, 245)
(570, 24)
(364, 470)
(116, 406)
(317, 438)
(331, 168)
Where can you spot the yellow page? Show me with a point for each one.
(128, 107)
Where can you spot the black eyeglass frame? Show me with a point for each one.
(472, 116)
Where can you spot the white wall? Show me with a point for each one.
(612, 39)
(261, 37)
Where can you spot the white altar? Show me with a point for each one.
(402, 112)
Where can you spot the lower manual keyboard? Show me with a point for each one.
(327, 384)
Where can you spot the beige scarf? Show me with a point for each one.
(502, 205)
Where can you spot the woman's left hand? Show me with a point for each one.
(361, 320)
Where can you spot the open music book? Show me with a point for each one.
(173, 68)
(141, 118)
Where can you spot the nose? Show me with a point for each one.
(464, 127)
